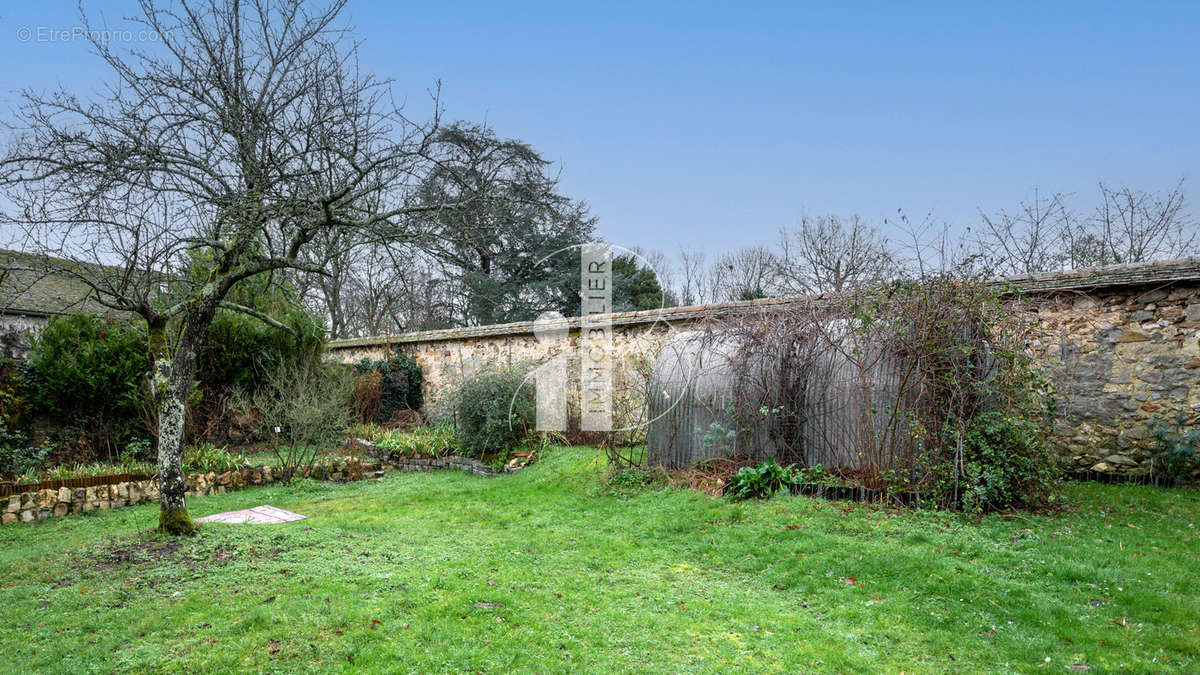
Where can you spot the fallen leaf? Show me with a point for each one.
(273, 647)
(1079, 667)
(850, 580)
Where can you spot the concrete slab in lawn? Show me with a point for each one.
(257, 515)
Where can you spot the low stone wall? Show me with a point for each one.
(453, 462)
(42, 504)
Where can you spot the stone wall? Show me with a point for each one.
(1123, 344)
(1122, 356)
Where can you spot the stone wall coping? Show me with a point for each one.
(1050, 282)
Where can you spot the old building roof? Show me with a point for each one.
(31, 286)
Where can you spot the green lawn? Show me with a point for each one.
(543, 571)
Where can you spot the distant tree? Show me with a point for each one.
(1132, 225)
(829, 255)
(1028, 240)
(1127, 226)
(745, 274)
(246, 133)
(635, 286)
(693, 283)
(507, 250)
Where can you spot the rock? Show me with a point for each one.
(61, 509)
(8, 517)
(1129, 336)
(64, 494)
(13, 505)
(46, 499)
(1192, 313)
(27, 516)
(1121, 460)
(1155, 295)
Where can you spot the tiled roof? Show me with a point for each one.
(1100, 277)
(28, 288)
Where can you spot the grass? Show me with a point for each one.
(545, 571)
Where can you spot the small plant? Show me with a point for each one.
(631, 480)
(717, 440)
(1176, 448)
(436, 440)
(760, 482)
(206, 457)
(815, 475)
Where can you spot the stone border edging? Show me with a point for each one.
(38, 505)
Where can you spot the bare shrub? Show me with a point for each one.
(303, 409)
(368, 395)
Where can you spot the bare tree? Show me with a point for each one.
(1133, 225)
(1128, 226)
(242, 136)
(829, 255)
(692, 286)
(746, 274)
(1028, 240)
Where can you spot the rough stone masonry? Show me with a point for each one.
(1123, 344)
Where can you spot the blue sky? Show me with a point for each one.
(712, 125)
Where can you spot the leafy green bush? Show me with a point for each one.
(759, 482)
(385, 387)
(17, 455)
(89, 373)
(241, 348)
(435, 440)
(14, 402)
(1177, 448)
(239, 352)
(1005, 464)
(493, 413)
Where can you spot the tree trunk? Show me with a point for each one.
(172, 381)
